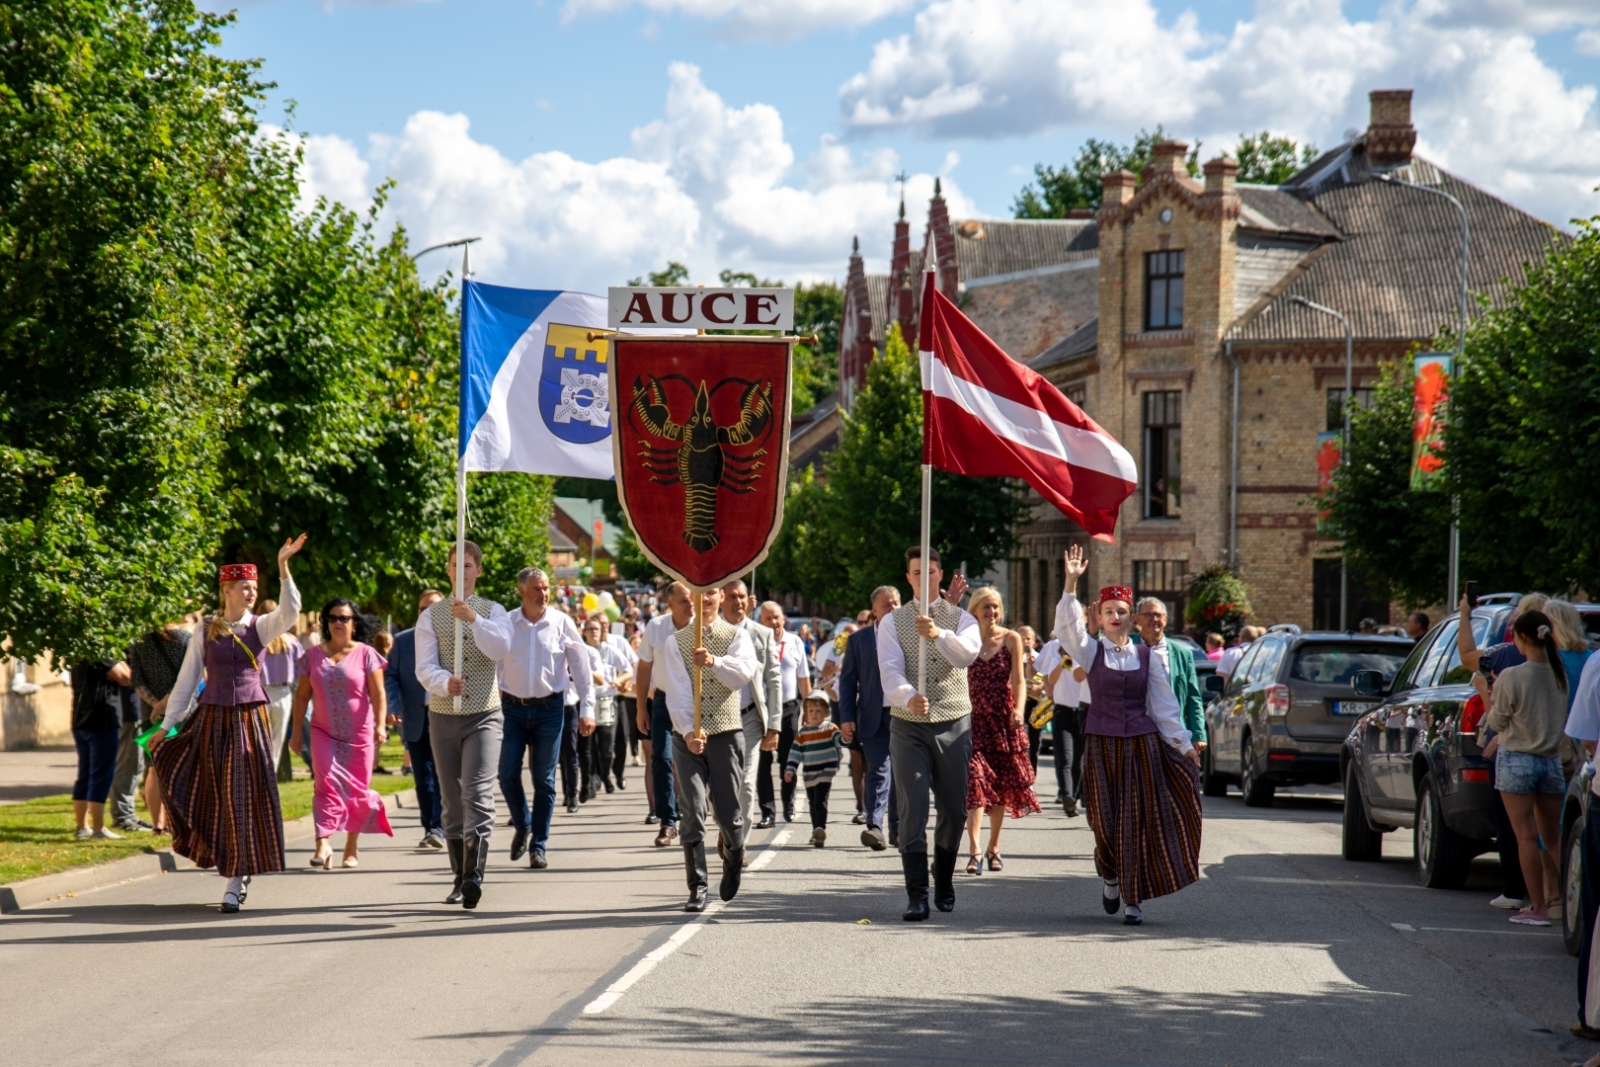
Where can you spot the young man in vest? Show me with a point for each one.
(708, 767)
(466, 740)
(931, 742)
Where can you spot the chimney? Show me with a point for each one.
(1167, 158)
(1220, 176)
(1390, 137)
(1116, 189)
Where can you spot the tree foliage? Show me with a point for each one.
(844, 536)
(1055, 191)
(1266, 158)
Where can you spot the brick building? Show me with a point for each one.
(1173, 308)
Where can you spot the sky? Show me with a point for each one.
(589, 141)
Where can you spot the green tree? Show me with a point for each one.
(509, 518)
(125, 164)
(1059, 190)
(1268, 159)
(673, 274)
(847, 535)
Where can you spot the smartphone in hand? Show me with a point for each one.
(1472, 594)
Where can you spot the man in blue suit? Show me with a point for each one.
(408, 709)
(862, 715)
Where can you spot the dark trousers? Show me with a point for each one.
(661, 761)
(97, 762)
(1066, 730)
(537, 730)
(877, 786)
(708, 787)
(817, 800)
(619, 744)
(569, 752)
(597, 755)
(426, 777)
(931, 757)
(1591, 899)
(790, 726)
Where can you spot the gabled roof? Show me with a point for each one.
(1272, 209)
(986, 247)
(878, 303)
(1082, 342)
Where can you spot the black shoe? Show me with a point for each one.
(572, 806)
(894, 838)
(584, 796)
(1111, 904)
(457, 850)
(650, 818)
(519, 844)
(694, 865)
(538, 862)
(732, 871)
(609, 788)
(476, 858)
(1132, 917)
(860, 819)
(767, 822)
(915, 866)
(622, 784)
(944, 882)
(788, 815)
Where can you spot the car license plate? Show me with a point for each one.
(1352, 707)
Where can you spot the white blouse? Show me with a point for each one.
(1162, 704)
(181, 701)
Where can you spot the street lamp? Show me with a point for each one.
(466, 249)
(1452, 580)
(1344, 443)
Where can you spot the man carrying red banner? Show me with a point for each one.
(1141, 772)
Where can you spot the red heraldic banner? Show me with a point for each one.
(985, 414)
(701, 441)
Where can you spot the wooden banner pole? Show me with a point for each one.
(699, 643)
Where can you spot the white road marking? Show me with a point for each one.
(615, 990)
(1405, 928)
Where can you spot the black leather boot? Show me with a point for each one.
(476, 859)
(457, 849)
(944, 880)
(915, 865)
(732, 870)
(694, 865)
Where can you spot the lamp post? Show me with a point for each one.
(465, 244)
(1344, 443)
(1453, 574)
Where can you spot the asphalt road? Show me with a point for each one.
(1281, 954)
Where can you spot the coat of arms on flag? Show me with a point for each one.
(572, 383)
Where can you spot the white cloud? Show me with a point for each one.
(1486, 104)
(771, 20)
(1588, 42)
(707, 185)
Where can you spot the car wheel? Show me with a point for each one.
(1444, 857)
(1212, 784)
(1572, 886)
(1360, 843)
(1257, 792)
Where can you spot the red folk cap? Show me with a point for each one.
(237, 572)
(1115, 592)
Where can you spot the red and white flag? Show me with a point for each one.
(985, 414)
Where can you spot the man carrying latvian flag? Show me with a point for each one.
(986, 414)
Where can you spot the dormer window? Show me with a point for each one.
(1163, 291)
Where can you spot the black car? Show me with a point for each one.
(1411, 761)
(1575, 808)
(1283, 714)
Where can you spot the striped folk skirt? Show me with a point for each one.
(1144, 809)
(220, 783)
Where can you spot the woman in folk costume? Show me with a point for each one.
(219, 776)
(1141, 771)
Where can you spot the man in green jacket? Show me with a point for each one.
(1150, 616)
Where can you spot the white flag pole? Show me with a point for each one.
(927, 609)
(461, 491)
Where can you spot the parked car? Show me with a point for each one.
(1283, 714)
(1412, 759)
(1574, 813)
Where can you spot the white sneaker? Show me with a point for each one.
(1506, 903)
(107, 834)
(83, 833)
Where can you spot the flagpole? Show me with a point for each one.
(699, 634)
(461, 490)
(927, 515)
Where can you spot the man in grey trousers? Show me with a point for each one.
(931, 742)
(466, 741)
(761, 702)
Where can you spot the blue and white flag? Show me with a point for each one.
(533, 386)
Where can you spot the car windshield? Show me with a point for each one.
(1338, 664)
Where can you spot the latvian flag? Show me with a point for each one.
(985, 414)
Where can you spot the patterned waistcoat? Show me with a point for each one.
(482, 689)
(947, 684)
(719, 705)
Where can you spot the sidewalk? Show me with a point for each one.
(37, 772)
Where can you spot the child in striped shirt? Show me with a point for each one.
(815, 754)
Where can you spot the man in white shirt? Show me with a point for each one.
(1066, 724)
(652, 686)
(1143, 797)
(542, 661)
(760, 702)
(930, 744)
(795, 668)
(709, 761)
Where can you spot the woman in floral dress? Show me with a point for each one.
(999, 777)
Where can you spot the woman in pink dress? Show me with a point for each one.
(999, 776)
(343, 682)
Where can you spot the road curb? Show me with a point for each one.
(31, 892)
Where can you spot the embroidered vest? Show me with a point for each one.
(946, 687)
(483, 686)
(231, 680)
(719, 705)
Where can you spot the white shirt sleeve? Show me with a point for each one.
(180, 702)
(430, 675)
(494, 634)
(961, 645)
(1072, 631)
(271, 627)
(897, 690)
(1047, 659)
(1583, 721)
(740, 666)
(1163, 705)
(577, 654)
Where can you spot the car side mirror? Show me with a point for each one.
(1368, 683)
(1215, 684)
